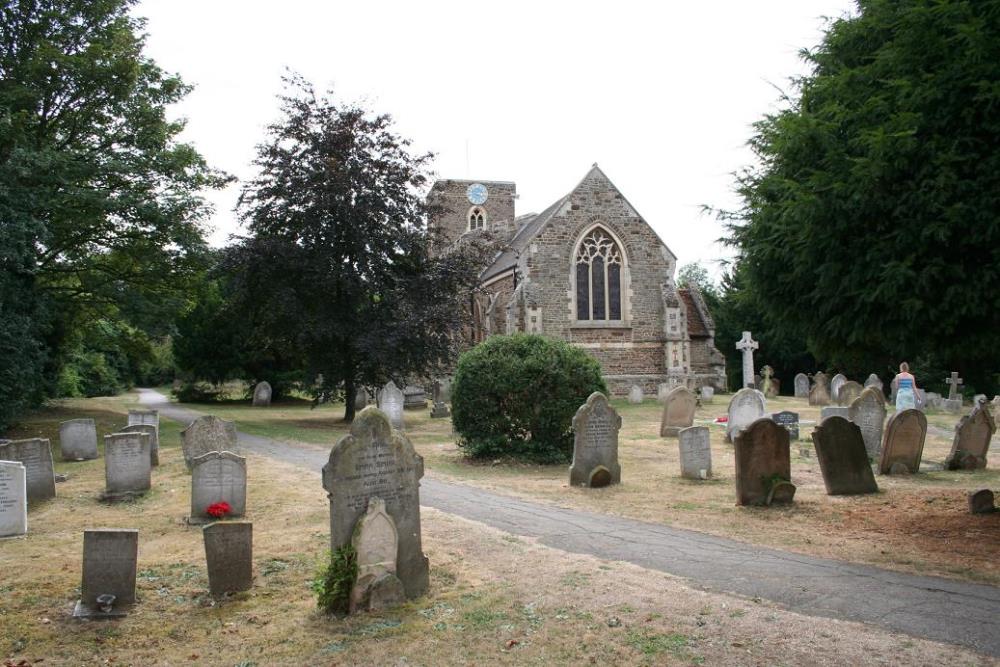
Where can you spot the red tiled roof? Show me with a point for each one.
(696, 325)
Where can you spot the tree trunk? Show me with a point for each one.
(350, 396)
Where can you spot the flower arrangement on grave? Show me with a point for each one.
(218, 510)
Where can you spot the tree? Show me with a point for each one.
(694, 274)
(338, 265)
(871, 225)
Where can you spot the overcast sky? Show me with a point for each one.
(660, 95)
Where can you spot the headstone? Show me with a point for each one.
(768, 382)
(951, 405)
(208, 434)
(390, 402)
(595, 444)
(903, 445)
(745, 407)
(262, 394)
(707, 394)
(151, 417)
(982, 502)
(360, 399)
(762, 462)
(834, 411)
(933, 400)
(747, 345)
(801, 386)
(13, 499)
(154, 439)
(229, 556)
(78, 440)
(635, 394)
(849, 391)
(678, 411)
(696, 452)
(218, 477)
(126, 464)
(893, 389)
(375, 543)
(790, 420)
(971, 444)
(109, 569)
(819, 394)
(414, 398)
(35, 455)
(375, 461)
(842, 457)
(868, 412)
(440, 409)
(835, 384)
(953, 382)
(875, 382)
(662, 390)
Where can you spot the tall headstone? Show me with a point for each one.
(747, 345)
(595, 444)
(868, 412)
(903, 444)
(376, 461)
(678, 411)
(696, 452)
(763, 462)
(262, 394)
(375, 543)
(78, 440)
(745, 407)
(875, 382)
(953, 382)
(843, 460)
(151, 417)
(13, 499)
(208, 434)
(849, 391)
(801, 386)
(218, 477)
(635, 394)
(835, 384)
(790, 420)
(971, 444)
(229, 556)
(35, 454)
(390, 402)
(819, 394)
(127, 467)
(109, 569)
(154, 439)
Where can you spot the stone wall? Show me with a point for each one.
(454, 221)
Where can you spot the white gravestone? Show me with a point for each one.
(390, 401)
(218, 477)
(835, 384)
(262, 394)
(151, 417)
(696, 452)
(747, 345)
(746, 406)
(78, 440)
(375, 542)
(13, 499)
(635, 394)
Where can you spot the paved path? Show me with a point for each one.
(930, 607)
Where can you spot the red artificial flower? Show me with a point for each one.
(218, 510)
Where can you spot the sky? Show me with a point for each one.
(662, 95)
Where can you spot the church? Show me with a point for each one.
(588, 270)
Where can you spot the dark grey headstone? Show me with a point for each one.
(843, 460)
(762, 460)
(229, 555)
(982, 502)
(790, 420)
(78, 440)
(35, 454)
(109, 568)
(595, 443)
(868, 412)
(218, 477)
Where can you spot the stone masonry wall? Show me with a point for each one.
(451, 195)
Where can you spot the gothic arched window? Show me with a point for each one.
(477, 218)
(599, 263)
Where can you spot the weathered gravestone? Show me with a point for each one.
(834, 411)
(440, 410)
(151, 417)
(763, 464)
(875, 382)
(78, 440)
(982, 502)
(390, 402)
(746, 406)
(360, 399)
(768, 382)
(868, 412)
(218, 477)
(678, 411)
(635, 394)
(109, 568)
(375, 543)
(835, 384)
(819, 394)
(954, 382)
(127, 467)
(662, 390)
(35, 455)
(801, 386)
(707, 394)
(376, 461)
(595, 444)
(208, 434)
(696, 452)
(903, 445)
(790, 420)
(849, 391)
(414, 398)
(229, 556)
(262, 394)
(842, 457)
(13, 499)
(972, 440)
(154, 439)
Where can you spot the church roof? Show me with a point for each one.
(530, 226)
(697, 326)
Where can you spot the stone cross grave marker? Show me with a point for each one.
(678, 411)
(109, 569)
(746, 406)
(208, 434)
(790, 420)
(763, 463)
(376, 461)
(635, 394)
(868, 412)
(849, 391)
(843, 460)
(229, 556)
(903, 443)
(696, 452)
(127, 466)
(35, 454)
(819, 394)
(390, 402)
(151, 417)
(747, 345)
(835, 384)
(78, 440)
(595, 444)
(375, 542)
(953, 382)
(262, 394)
(154, 439)
(801, 386)
(13, 499)
(971, 444)
(218, 477)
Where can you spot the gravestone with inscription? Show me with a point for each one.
(790, 420)
(127, 467)
(375, 543)
(208, 434)
(763, 462)
(635, 394)
(78, 440)
(390, 402)
(151, 417)
(801, 386)
(35, 454)
(971, 444)
(109, 569)
(868, 412)
(849, 391)
(745, 407)
(835, 384)
(376, 461)
(696, 452)
(678, 411)
(842, 457)
(262, 394)
(819, 393)
(903, 445)
(218, 477)
(154, 439)
(229, 556)
(13, 499)
(595, 444)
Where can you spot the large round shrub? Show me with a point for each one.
(515, 396)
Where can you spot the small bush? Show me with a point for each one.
(515, 397)
(335, 579)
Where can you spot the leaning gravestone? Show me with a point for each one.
(262, 394)
(208, 434)
(835, 384)
(849, 391)
(595, 444)
(229, 556)
(109, 569)
(746, 406)
(842, 457)
(635, 394)
(790, 420)
(78, 440)
(13, 499)
(375, 541)
(154, 439)
(971, 444)
(151, 417)
(874, 381)
(696, 452)
(904, 443)
(801, 386)
(390, 402)
(868, 412)
(763, 464)
(35, 455)
(819, 394)
(375, 461)
(126, 465)
(678, 411)
(218, 477)
(707, 394)
(834, 411)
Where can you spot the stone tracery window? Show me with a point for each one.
(598, 277)
(477, 218)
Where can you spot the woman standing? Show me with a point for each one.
(906, 388)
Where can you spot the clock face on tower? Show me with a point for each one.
(477, 194)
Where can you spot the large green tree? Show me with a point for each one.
(871, 225)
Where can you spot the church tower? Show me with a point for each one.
(469, 206)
